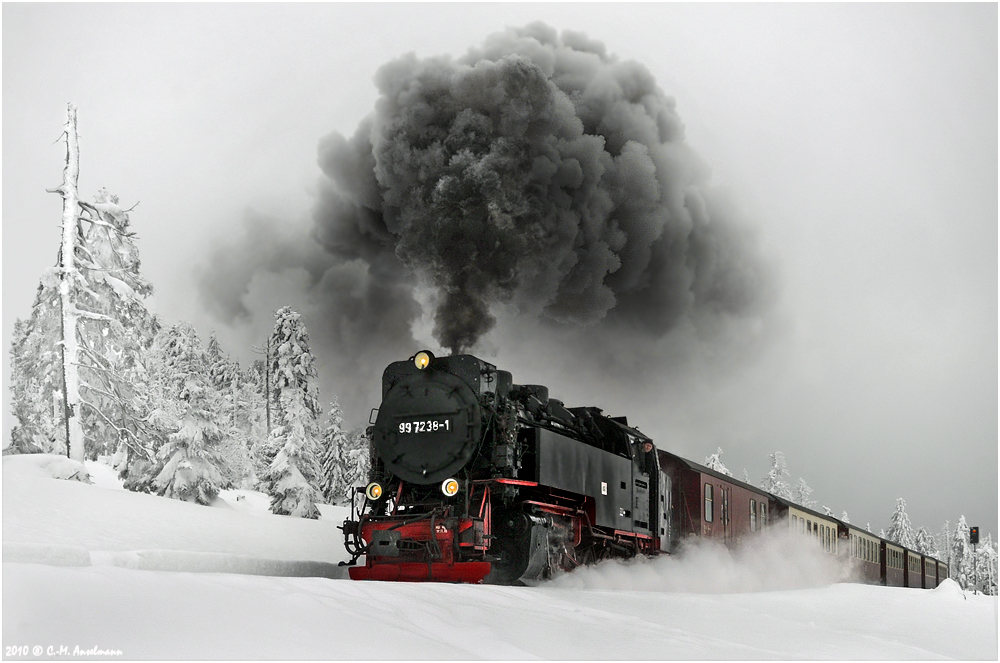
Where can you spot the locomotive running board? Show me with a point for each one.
(469, 572)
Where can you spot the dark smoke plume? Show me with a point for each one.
(536, 171)
(536, 177)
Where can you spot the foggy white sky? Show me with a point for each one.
(860, 140)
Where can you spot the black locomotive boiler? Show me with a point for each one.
(475, 478)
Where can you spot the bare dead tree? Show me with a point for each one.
(68, 276)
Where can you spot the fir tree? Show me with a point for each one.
(335, 446)
(293, 477)
(36, 379)
(961, 555)
(253, 420)
(802, 493)
(775, 482)
(844, 518)
(714, 462)
(225, 376)
(943, 542)
(923, 543)
(900, 530)
(188, 461)
(985, 571)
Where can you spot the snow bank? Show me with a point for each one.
(103, 475)
(776, 560)
(50, 515)
(49, 466)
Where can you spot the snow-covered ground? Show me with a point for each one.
(91, 570)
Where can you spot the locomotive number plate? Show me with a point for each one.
(425, 426)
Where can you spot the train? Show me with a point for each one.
(476, 479)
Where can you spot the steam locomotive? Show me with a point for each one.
(477, 479)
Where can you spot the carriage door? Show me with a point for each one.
(664, 531)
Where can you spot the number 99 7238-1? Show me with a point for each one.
(428, 426)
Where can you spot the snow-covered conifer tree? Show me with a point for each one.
(923, 542)
(36, 379)
(713, 462)
(746, 477)
(942, 540)
(844, 518)
(986, 566)
(188, 461)
(827, 511)
(335, 447)
(294, 475)
(802, 493)
(775, 482)
(253, 420)
(900, 530)
(225, 376)
(961, 555)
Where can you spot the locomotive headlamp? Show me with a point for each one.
(373, 491)
(423, 359)
(449, 487)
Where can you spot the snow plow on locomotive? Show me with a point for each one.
(477, 479)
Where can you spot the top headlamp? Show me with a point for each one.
(423, 359)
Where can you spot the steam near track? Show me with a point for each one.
(774, 560)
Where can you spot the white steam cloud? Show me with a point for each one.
(777, 559)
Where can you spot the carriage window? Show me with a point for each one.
(708, 503)
(753, 516)
(763, 514)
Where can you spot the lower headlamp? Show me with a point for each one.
(449, 487)
(373, 491)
